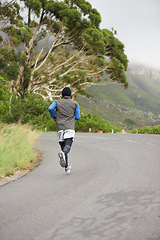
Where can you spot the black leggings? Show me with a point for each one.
(66, 147)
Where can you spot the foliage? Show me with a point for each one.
(4, 97)
(96, 123)
(16, 148)
(129, 122)
(32, 109)
(59, 41)
(148, 130)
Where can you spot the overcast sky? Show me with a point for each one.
(138, 26)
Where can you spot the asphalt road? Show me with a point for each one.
(112, 193)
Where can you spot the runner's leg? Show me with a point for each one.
(67, 148)
(62, 144)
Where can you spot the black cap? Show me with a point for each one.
(66, 92)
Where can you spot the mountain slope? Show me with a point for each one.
(137, 106)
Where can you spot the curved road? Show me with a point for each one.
(112, 193)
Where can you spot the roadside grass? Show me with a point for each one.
(16, 148)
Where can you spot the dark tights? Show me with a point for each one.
(66, 147)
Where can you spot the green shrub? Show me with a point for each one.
(148, 130)
(156, 130)
(96, 123)
(32, 109)
(4, 98)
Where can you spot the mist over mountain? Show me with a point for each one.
(137, 106)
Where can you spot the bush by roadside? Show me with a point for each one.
(95, 123)
(31, 110)
(147, 130)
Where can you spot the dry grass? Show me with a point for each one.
(16, 148)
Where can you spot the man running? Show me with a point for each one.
(67, 110)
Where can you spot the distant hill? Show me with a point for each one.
(137, 106)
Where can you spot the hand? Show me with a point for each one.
(54, 119)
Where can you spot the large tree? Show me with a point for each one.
(46, 45)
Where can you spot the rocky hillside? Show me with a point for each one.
(137, 106)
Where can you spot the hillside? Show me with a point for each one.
(137, 106)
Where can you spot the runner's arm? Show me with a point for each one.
(77, 112)
(51, 109)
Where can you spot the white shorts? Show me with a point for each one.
(63, 134)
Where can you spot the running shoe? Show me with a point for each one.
(68, 169)
(62, 160)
